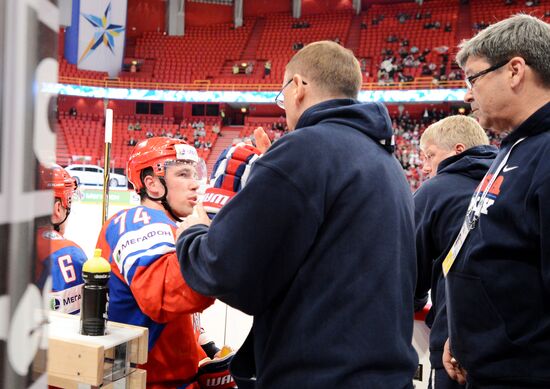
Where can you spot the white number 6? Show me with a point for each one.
(65, 263)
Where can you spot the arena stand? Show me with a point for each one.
(80, 135)
(204, 57)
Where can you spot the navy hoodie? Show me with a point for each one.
(440, 205)
(498, 289)
(319, 248)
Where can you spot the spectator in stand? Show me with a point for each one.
(363, 64)
(162, 132)
(73, 112)
(169, 134)
(132, 141)
(137, 126)
(235, 68)
(216, 129)
(149, 134)
(267, 68)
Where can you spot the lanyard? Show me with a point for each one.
(474, 212)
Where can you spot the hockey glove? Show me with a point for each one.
(214, 373)
(229, 176)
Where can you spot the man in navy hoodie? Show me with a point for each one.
(319, 245)
(456, 156)
(498, 285)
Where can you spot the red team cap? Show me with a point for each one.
(156, 153)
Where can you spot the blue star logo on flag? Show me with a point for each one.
(105, 32)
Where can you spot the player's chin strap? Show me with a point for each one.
(164, 201)
(57, 226)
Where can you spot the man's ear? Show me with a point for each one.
(57, 212)
(153, 186)
(299, 90)
(459, 148)
(517, 67)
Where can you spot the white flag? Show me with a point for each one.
(102, 25)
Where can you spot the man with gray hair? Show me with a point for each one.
(498, 270)
(456, 155)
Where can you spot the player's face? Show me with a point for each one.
(432, 155)
(182, 184)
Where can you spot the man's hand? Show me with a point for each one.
(451, 365)
(198, 216)
(262, 140)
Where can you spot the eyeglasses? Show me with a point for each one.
(470, 81)
(280, 98)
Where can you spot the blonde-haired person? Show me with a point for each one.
(498, 285)
(449, 137)
(456, 155)
(319, 245)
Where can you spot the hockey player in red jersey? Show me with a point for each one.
(63, 257)
(146, 287)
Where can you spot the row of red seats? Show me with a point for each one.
(81, 136)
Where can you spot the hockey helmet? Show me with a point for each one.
(158, 153)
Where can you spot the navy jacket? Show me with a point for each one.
(498, 290)
(440, 205)
(319, 247)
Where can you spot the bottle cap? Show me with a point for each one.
(97, 264)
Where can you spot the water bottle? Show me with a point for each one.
(95, 295)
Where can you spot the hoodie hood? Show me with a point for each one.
(473, 162)
(372, 119)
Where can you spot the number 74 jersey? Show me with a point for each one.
(147, 289)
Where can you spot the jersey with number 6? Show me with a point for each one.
(65, 259)
(147, 288)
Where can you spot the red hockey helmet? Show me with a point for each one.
(156, 153)
(63, 185)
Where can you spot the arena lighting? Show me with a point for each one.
(248, 97)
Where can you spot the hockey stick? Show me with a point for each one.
(107, 162)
